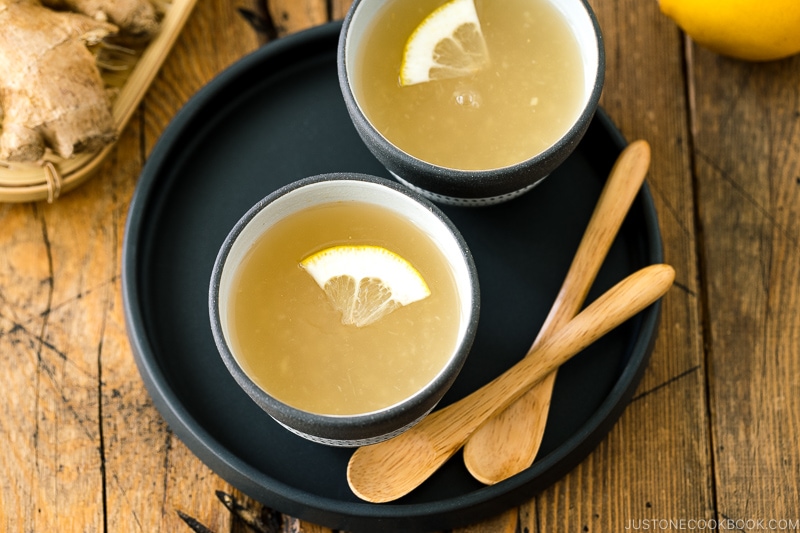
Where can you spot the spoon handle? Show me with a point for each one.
(391, 469)
(507, 444)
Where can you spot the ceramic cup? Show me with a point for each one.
(369, 427)
(467, 187)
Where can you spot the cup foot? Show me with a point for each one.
(467, 202)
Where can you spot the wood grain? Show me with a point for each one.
(49, 412)
(747, 165)
(291, 16)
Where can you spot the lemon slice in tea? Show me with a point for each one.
(448, 43)
(365, 283)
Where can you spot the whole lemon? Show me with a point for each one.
(753, 30)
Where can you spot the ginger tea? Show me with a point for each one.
(292, 342)
(525, 98)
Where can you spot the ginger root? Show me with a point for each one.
(135, 18)
(51, 92)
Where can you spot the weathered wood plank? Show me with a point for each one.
(339, 8)
(50, 461)
(747, 163)
(64, 256)
(291, 16)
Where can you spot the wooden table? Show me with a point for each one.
(711, 433)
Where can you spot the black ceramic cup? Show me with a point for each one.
(471, 187)
(367, 427)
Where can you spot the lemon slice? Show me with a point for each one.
(448, 43)
(365, 283)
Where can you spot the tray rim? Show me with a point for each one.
(330, 512)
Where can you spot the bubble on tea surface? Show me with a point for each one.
(467, 97)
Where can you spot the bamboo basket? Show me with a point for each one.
(54, 176)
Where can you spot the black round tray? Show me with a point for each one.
(277, 116)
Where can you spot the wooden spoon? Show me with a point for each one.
(388, 470)
(508, 443)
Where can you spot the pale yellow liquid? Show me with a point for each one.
(290, 340)
(518, 106)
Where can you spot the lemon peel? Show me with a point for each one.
(751, 30)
